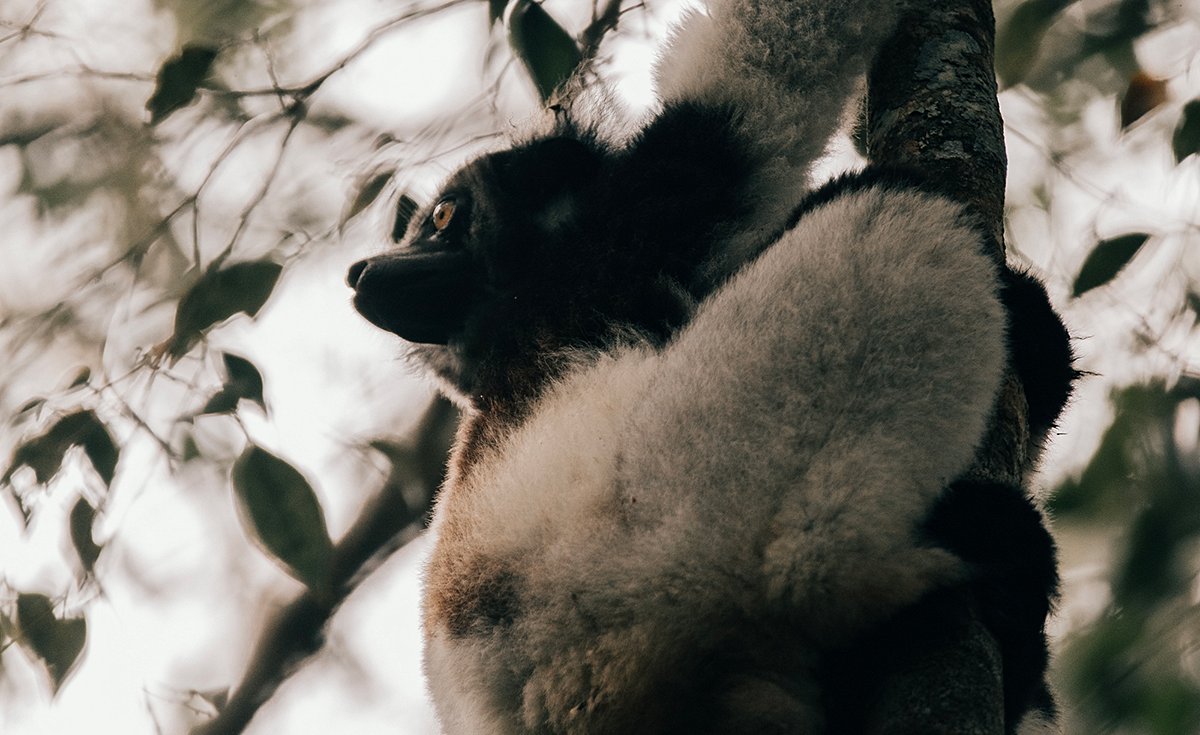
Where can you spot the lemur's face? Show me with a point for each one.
(498, 239)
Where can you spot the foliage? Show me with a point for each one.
(1129, 670)
(1128, 659)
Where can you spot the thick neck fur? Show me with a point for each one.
(500, 395)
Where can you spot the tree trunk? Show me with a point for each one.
(932, 106)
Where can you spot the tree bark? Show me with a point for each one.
(932, 106)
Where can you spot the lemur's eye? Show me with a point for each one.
(442, 214)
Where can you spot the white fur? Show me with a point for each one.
(791, 67)
(772, 462)
(1035, 723)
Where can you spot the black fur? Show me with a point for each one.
(1040, 349)
(1014, 581)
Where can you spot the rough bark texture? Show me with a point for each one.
(932, 106)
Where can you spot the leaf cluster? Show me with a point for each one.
(1128, 670)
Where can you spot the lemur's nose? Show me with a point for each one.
(355, 273)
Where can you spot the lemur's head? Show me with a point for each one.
(514, 262)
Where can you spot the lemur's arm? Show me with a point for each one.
(751, 95)
(775, 461)
(790, 66)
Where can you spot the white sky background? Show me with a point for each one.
(182, 587)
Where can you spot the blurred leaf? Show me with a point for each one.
(1106, 260)
(30, 405)
(1172, 706)
(1150, 573)
(1143, 95)
(328, 121)
(1019, 39)
(244, 381)
(1192, 301)
(496, 10)
(1132, 665)
(223, 401)
(369, 190)
(1100, 661)
(405, 209)
(178, 80)
(214, 20)
(244, 377)
(1107, 485)
(44, 454)
(219, 294)
(548, 52)
(83, 517)
(57, 643)
(218, 698)
(1131, 676)
(1099, 490)
(82, 376)
(283, 515)
(1186, 139)
(1112, 29)
(190, 449)
(101, 450)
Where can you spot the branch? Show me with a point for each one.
(932, 106)
(297, 631)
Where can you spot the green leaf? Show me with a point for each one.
(178, 80)
(83, 517)
(1018, 40)
(369, 190)
(548, 52)
(57, 643)
(223, 401)
(1111, 487)
(219, 294)
(44, 454)
(244, 382)
(1106, 261)
(496, 10)
(282, 513)
(101, 450)
(244, 378)
(406, 208)
(1186, 139)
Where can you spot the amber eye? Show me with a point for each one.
(442, 214)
